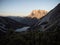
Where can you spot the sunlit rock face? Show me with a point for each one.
(37, 14)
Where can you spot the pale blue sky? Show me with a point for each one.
(25, 6)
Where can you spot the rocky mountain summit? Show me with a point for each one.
(38, 14)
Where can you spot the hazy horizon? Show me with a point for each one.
(24, 7)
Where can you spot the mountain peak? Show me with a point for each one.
(38, 14)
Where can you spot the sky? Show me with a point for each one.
(24, 7)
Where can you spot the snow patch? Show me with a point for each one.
(22, 29)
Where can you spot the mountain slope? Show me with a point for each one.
(25, 20)
(51, 19)
(8, 23)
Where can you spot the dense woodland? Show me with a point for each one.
(31, 37)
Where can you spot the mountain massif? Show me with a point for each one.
(37, 14)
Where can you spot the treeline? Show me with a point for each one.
(31, 37)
